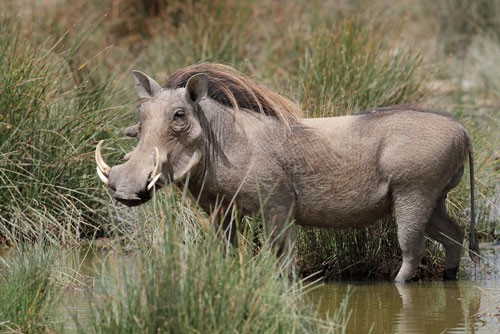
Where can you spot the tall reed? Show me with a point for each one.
(190, 281)
(349, 67)
(28, 292)
(50, 118)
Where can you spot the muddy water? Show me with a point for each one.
(92, 269)
(424, 307)
(470, 305)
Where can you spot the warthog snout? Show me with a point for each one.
(131, 199)
(130, 193)
(133, 184)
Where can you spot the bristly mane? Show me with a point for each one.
(232, 88)
(382, 111)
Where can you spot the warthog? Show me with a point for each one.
(246, 146)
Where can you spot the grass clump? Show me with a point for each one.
(371, 253)
(351, 67)
(189, 281)
(49, 121)
(28, 292)
(460, 21)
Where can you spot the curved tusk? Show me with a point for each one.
(101, 165)
(153, 182)
(156, 171)
(103, 177)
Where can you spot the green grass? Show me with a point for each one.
(189, 281)
(28, 291)
(350, 67)
(49, 120)
(460, 20)
(65, 86)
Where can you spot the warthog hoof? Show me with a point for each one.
(450, 274)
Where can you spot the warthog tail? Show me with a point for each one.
(473, 242)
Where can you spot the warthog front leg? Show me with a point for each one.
(225, 222)
(280, 230)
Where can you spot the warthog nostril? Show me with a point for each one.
(120, 195)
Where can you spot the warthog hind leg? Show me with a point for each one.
(446, 231)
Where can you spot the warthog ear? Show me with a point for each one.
(197, 87)
(146, 86)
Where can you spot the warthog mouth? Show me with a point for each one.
(155, 180)
(133, 200)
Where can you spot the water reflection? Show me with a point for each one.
(471, 305)
(437, 307)
(87, 266)
(420, 307)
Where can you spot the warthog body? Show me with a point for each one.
(244, 145)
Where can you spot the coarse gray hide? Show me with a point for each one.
(337, 172)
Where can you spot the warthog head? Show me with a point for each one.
(170, 143)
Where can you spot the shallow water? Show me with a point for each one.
(470, 305)
(422, 307)
(93, 269)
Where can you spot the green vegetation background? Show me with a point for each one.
(65, 84)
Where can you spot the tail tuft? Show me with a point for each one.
(474, 249)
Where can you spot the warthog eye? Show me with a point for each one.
(179, 114)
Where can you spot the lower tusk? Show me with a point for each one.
(103, 177)
(156, 170)
(153, 182)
